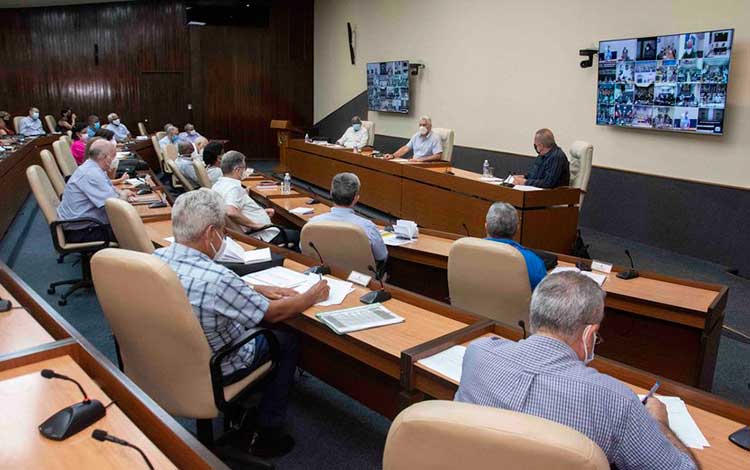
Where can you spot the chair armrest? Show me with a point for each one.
(57, 223)
(218, 357)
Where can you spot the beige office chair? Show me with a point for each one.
(68, 137)
(370, 126)
(184, 182)
(17, 123)
(447, 435)
(159, 153)
(162, 347)
(51, 123)
(580, 157)
(128, 226)
(202, 174)
(48, 201)
(490, 279)
(64, 157)
(169, 153)
(142, 129)
(446, 136)
(340, 244)
(53, 172)
(160, 135)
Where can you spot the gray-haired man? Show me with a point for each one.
(355, 136)
(115, 125)
(426, 145)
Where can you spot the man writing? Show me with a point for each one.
(551, 168)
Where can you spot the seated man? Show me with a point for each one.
(85, 193)
(190, 134)
(426, 145)
(547, 376)
(212, 153)
(184, 162)
(355, 136)
(31, 124)
(122, 133)
(93, 125)
(170, 138)
(345, 195)
(501, 224)
(241, 208)
(551, 168)
(227, 307)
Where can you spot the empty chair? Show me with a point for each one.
(184, 182)
(446, 435)
(142, 129)
(51, 123)
(160, 135)
(370, 126)
(128, 226)
(580, 157)
(489, 279)
(340, 244)
(17, 123)
(446, 136)
(53, 172)
(202, 174)
(64, 157)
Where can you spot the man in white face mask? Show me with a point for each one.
(547, 375)
(189, 133)
(115, 125)
(426, 145)
(355, 136)
(31, 124)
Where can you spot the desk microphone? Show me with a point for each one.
(466, 229)
(630, 273)
(376, 296)
(74, 418)
(102, 435)
(322, 268)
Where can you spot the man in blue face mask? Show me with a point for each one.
(170, 138)
(31, 124)
(355, 136)
(93, 126)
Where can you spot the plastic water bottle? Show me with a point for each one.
(486, 169)
(286, 186)
(307, 137)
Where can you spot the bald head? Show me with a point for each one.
(102, 151)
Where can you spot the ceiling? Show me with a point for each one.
(48, 3)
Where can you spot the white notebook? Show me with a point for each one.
(448, 362)
(681, 423)
(277, 276)
(599, 278)
(353, 319)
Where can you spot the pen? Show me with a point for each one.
(651, 392)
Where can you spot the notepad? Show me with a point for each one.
(391, 239)
(681, 423)
(277, 276)
(302, 210)
(234, 253)
(338, 289)
(354, 319)
(448, 362)
(523, 187)
(599, 278)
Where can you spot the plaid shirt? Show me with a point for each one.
(225, 305)
(542, 376)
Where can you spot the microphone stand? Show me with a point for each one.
(376, 296)
(322, 268)
(74, 418)
(630, 273)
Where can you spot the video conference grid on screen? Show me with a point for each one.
(388, 86)
(675, 83)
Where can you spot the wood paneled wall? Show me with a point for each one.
(151, 65)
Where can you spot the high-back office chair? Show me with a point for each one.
(160, 135)
(580, 157)
(51, 123)
(64, 157)
(490, 279)
(446, 435)
(162, 347)
(67, 138)
(17, 123)
(53, 172)
(184, 182)
(142, 129)
(159, 153)
(340, 244)
(128, 226)
(202, 174)
(370, 126)
(48, 201)
(446, 136)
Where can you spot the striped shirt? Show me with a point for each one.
(543, 377)
(225, 305)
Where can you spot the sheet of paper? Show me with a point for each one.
(682, 423)
(278, 276)
(260, 255)
(170, 239)
(523, 187)
(358, 318)
(399, 160)
(599, 278)
(302, 210)
(448, 362)
(390, 238)
(338, 290)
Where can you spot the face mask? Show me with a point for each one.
(356, 127)
(536, 149)
(96, 125)
(116, 122)
(423, 130)
(588, 357)
(218, 253)
(174, 138)
(35, 115)
(191, 132)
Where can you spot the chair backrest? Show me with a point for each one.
(160, 135)
(64, 157)
(443, 435)
(51, 123)
(44, 193)
(17, 123)
(490, 279)
(67, 137)
(128, 226)
(340, 244)
(169, 153)
(370, 126)
(446, 136)
(178, 173)
(163, 347)
(202, 174)
(142, 129)
(159, 153)
(580, 157)
(53, 172)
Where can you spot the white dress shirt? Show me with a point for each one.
(352, 138)
(235, 195)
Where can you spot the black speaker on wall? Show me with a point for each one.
(351, 41)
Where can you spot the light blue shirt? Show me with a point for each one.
(190, 137)
(84, 195)
(121, 132)
(185, 165)
(31, 126)
(346, 214)
(166, 141)
(425, 146)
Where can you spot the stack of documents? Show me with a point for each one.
(448, 362)
(406, 229)
(234, 253)
(681, 423)
(278, 276)
(599, 278)
(302, 210)
(390, 238)
(337, 293)
(358, 318)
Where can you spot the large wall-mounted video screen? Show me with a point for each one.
(671, 83)
(388, 86)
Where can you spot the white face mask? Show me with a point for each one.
(191, 132)
(35, 115)
(222, 248)
(116, 122)
(588, 357)
(423, 130)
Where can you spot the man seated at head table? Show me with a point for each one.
(242, 209)
(85, 193)
(190, 134)
(426, 145)
(355, 136)
(546, 375)
(345, 195)
(122, 134)
(551, 168)
(184, 162)
(501, 224)
(227, 306)
(31, 124)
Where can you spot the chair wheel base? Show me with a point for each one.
(62, 302)
(51, 290)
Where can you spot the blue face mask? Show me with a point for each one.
(356, 127)
(96, 125)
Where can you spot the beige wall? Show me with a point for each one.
(498, 70)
